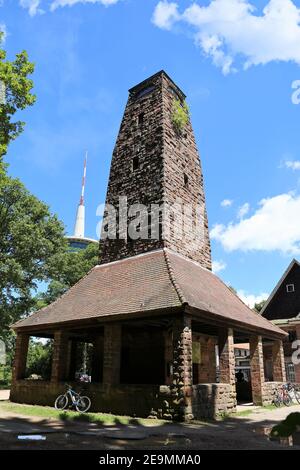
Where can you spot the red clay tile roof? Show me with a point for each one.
(203, 290)
(157, 280)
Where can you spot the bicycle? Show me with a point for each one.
(74, 399)
(281, 396)
(293, 393)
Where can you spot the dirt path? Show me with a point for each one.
(242, 432)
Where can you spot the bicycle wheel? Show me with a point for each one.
(297, 396)
(61, 402)
(277, 401)
(287, 400)
(83, 404)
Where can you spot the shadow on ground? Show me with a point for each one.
(232, 433)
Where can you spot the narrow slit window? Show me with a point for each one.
(135, 163)
(186, 180)
(141, 119)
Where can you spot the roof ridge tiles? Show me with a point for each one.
(180, 293)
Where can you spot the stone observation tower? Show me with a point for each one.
(160, 326)
(154, 162)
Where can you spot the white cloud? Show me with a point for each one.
(218, 266)
(226, 203)
(229, 29)
(293, 164)
(243, 210)
(33, 6)
(273, 227)
(165, 14)
(63, 3)
(250, 299)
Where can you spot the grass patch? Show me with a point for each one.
(243, 413)
(97, 418)
(269, 407)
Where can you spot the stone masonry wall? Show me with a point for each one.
(142, 139)
(268, 392)
(181, 159)
(130, 400)
(213, 400)
(19, 365)
(149, 166)
(207, 400)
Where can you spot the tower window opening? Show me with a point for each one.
(141, 119)
(186, 180)
(135, 163)
(144, 91)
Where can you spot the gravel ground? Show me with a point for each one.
(243, 432)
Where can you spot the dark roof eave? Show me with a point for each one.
(220, 320)
(96, 320)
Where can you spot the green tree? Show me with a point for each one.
(72, 266)
(39, 359)
(15, 95)
(259, 306)
(31, 239)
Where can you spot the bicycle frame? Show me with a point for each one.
(74, 396)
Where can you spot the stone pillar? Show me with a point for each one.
(205, 368)
(182, 379)
(60, 356)
(211, 349)
(19, 367)
(297, 366)
(112, 353)
(226, 356)
(97, 362)
(72, 350)
(257, 369)
(168, 355)
(279, 374)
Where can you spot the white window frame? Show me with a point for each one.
(288, 286)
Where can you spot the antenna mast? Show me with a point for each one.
(80, 216)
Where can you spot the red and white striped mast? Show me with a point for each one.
(80, 216)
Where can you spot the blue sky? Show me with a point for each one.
(235, 64)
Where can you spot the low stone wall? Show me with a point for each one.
(132, 400)
(268, 392)
(270, 387)
(213, 400)
(156, 401)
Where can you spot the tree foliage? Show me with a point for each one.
(15, 95)
(39, 359)
(31, 239)
(180, 115)
(259, 306)
(72, 266)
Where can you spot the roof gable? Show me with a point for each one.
(280, 303)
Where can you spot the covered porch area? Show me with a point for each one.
(177, 364)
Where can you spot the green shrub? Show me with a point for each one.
(180, 115)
